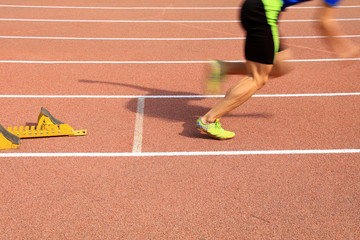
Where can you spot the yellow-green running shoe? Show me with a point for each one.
(214, 130)
(215, 77)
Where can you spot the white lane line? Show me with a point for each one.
(138, 133)
(310, 37)
(309, 95)
(154, 21)
(323, 60)
(174, 154)
(181, 96)
(165, 62)
(317, 20)
(162, 39)
(154, 8)
(317, 7)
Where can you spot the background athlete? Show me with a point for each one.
(263, 57)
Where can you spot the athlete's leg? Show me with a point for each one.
(241, 91)
(280, 67)
(215, 79)
(261, 47)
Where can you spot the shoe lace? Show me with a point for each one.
(218, 126)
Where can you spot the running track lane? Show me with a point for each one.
(309, 196)
(327, 122)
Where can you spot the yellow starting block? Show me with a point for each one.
(47, 126)
(8, 140)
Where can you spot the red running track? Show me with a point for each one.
(267, 183)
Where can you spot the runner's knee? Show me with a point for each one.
(260, 81)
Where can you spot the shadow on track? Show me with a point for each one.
(172, 108)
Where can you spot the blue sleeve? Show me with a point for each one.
(288, 3)
(332, 2)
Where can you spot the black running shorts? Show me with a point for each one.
(259, 19)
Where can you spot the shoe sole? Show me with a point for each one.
(202, 131)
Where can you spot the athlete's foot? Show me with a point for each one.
(215, 78)
(214, 130)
